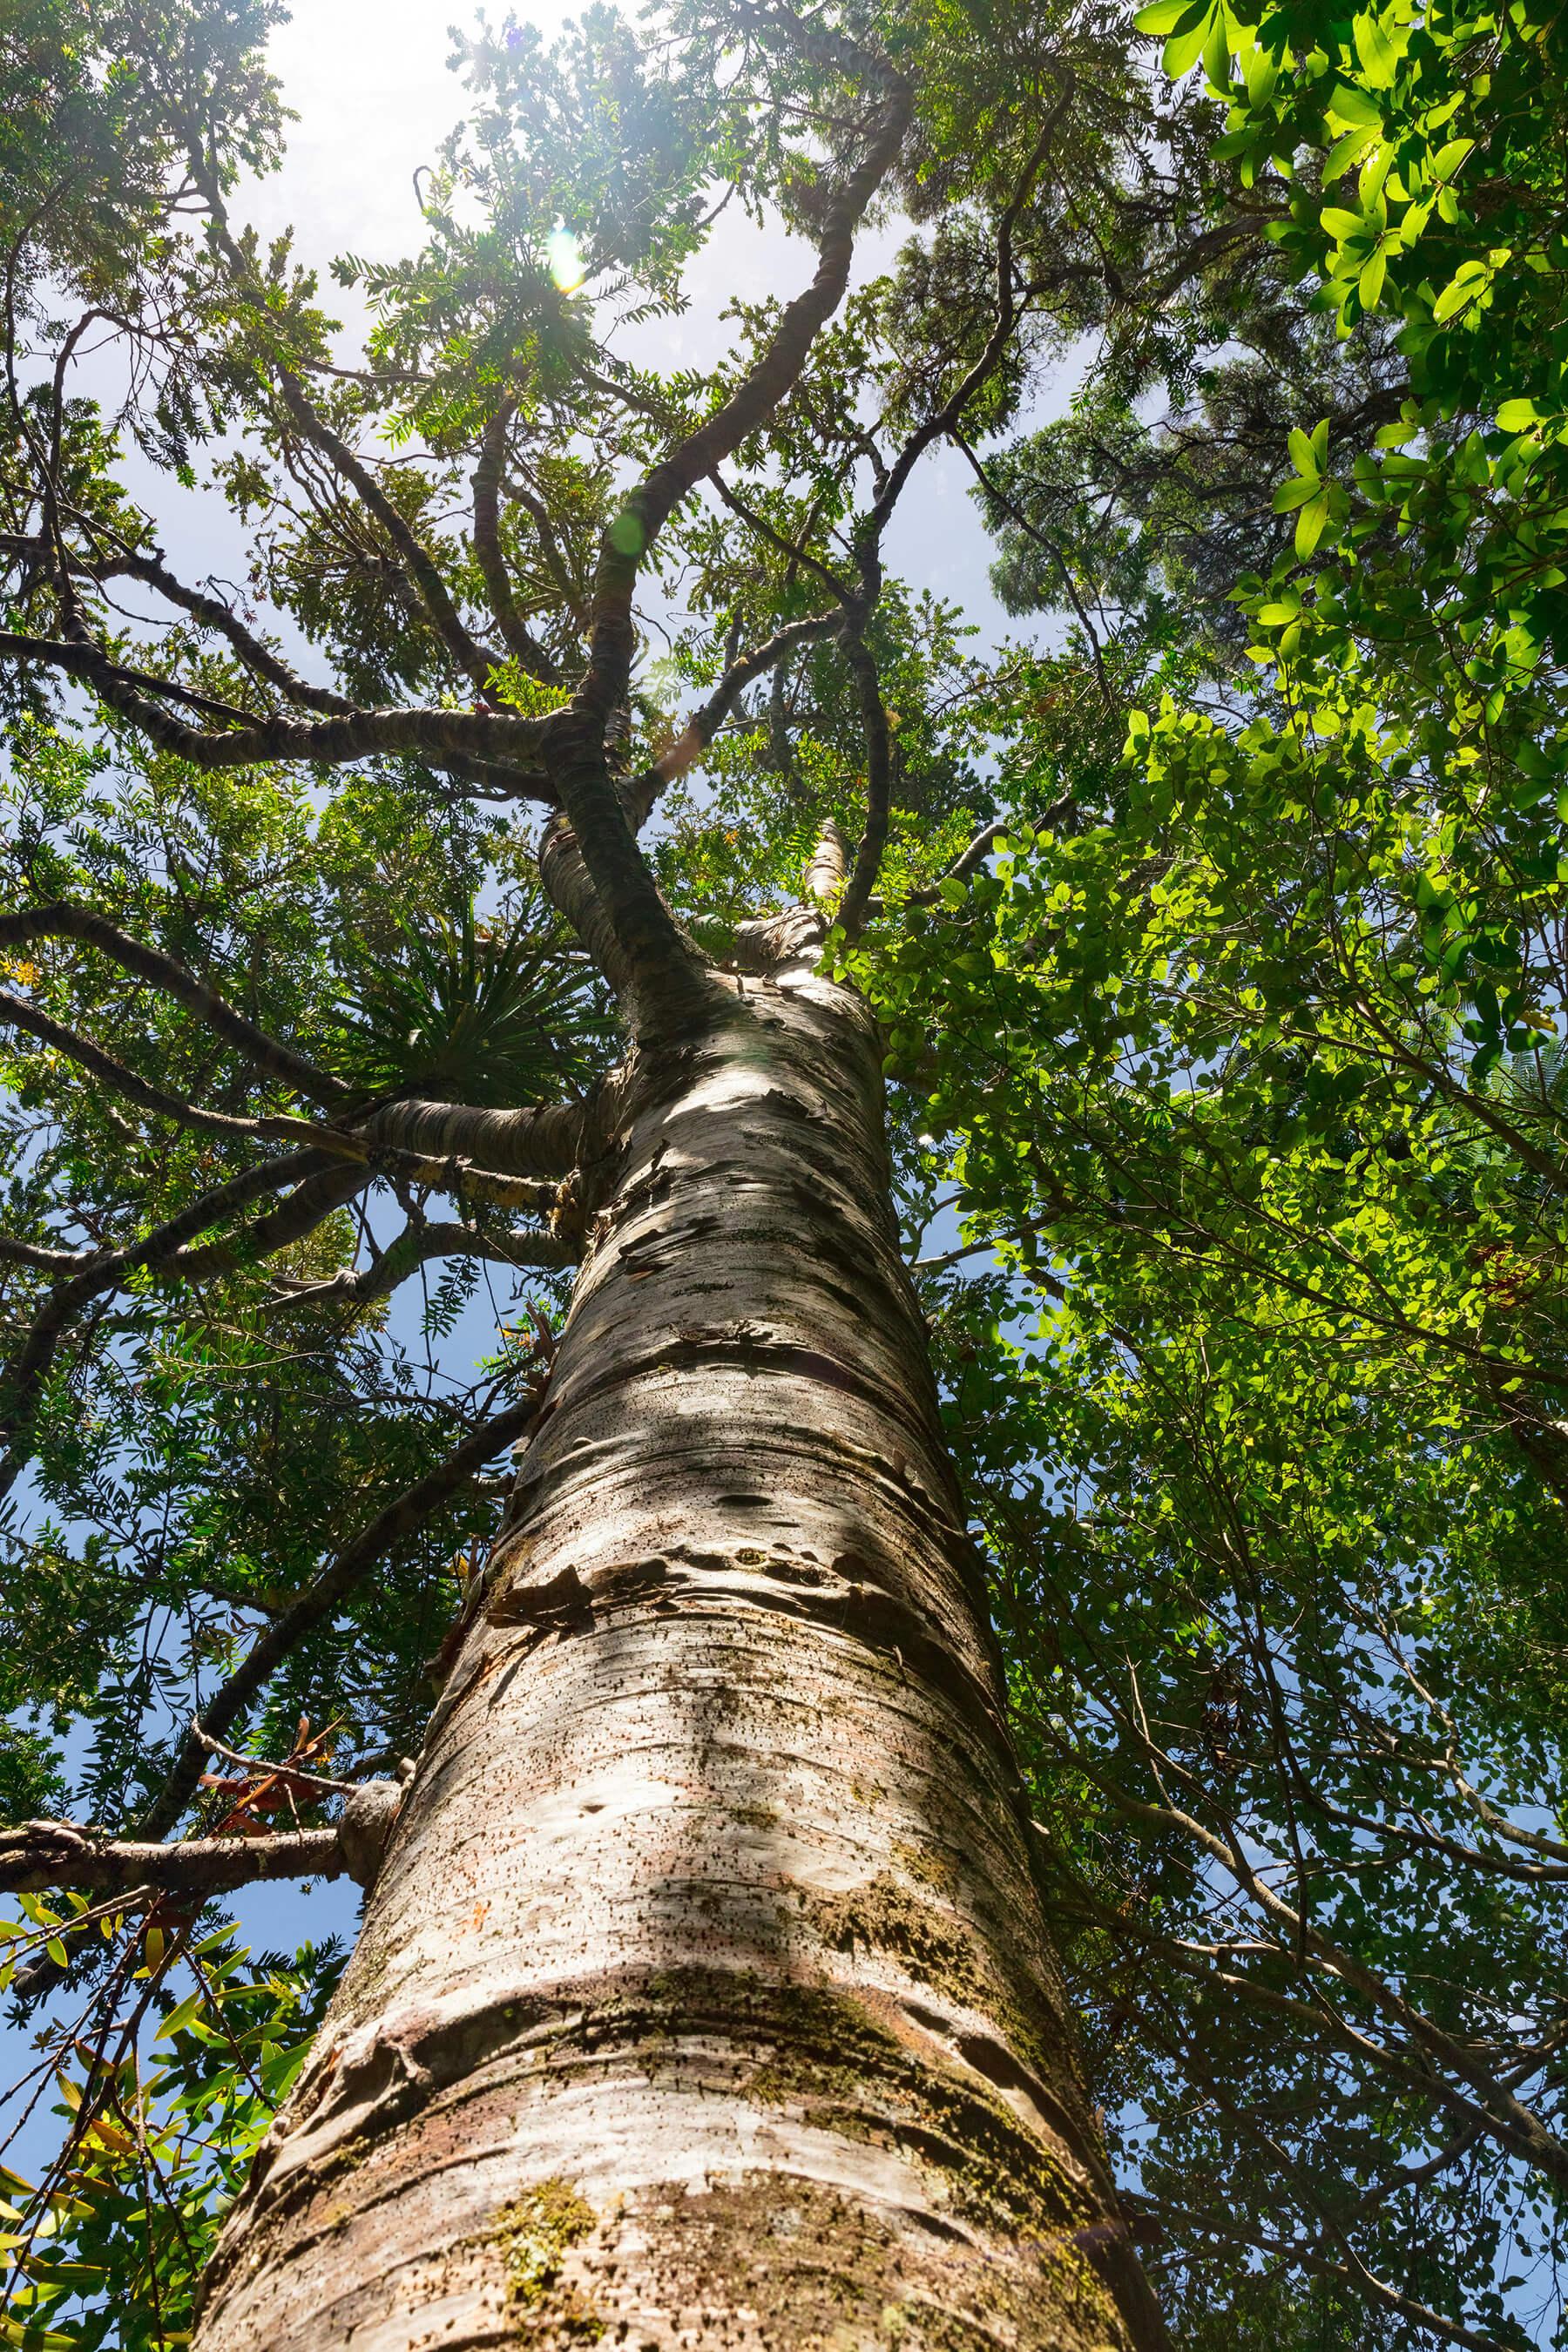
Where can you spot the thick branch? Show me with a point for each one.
(289, 1222)
(43, 1855)
(754, 398)
(664, 960)
(549, 1139)
(569, 887)
(43, 1260)
(829, 862)
(495, 737)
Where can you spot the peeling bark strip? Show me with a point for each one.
(703, 1996)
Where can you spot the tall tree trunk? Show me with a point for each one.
(704, 1996)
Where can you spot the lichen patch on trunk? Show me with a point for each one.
(533, 2236)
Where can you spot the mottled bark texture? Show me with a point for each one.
(704, 1997)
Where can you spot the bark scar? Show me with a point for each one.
(564, 1605)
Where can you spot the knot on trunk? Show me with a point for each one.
(367, 1824)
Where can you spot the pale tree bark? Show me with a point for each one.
(704, 1996)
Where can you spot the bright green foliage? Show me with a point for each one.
(111, 2253)
(1254, 1057)
(1415, 627)
(1275, 1485)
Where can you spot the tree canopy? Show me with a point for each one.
(1214, 921)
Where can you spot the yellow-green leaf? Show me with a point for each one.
(1349, 150)
(1302, 454)
(1167, 17)
(1310, 524)
(1185, 48)
(1350, 105)
(1379, 57)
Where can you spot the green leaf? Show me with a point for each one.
(1303, 453)
(1349, 105)
(1349, 150)
(1379, 57)
(1261, 74)
(1310, 524)
(1166, 16)
(1184, 49)
(181, 2015)
(1469, 280)
(1169, 17)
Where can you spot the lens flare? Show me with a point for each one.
(565, 257)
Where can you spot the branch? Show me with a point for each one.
(519, 641)
(415, 1247)
(793, 551)
(760, 391)
(320, 1599)
(553, 1135)
(569, 887)
(210, 611)
(550, 549)
(61, 920)
(1515, 2126)
(476, 661)
(547, 1140)
(102, 1270)
(663, 959)
(43, 1855)
(947, 417)
(46, 1261)
(493, 736)
(306, 1207)
(78, 652)
(16, 1013)
(1044, 540)
(540, 1196)
(1352, 2271)
(828, 863)
(852, 909)
(262, 1770)
(705, 722)
(966, 863)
